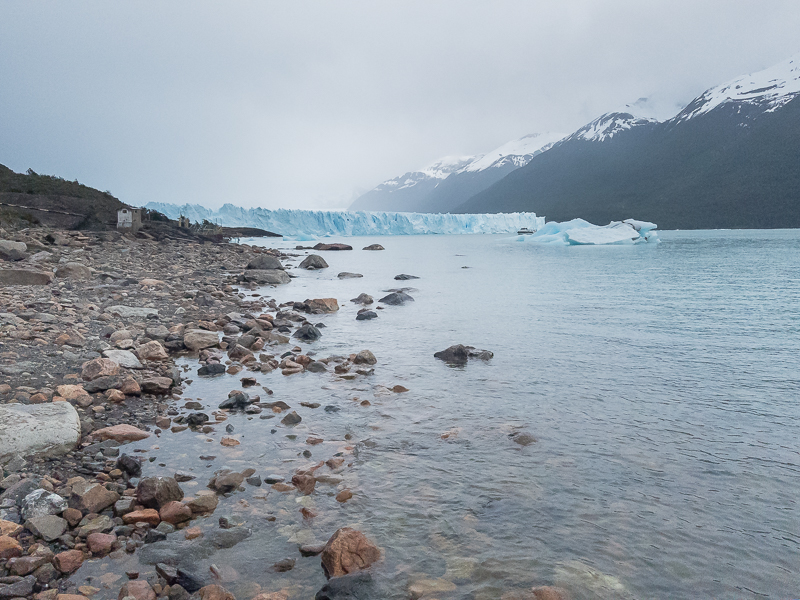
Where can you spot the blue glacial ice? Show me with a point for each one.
(578, 232)
(306, 224)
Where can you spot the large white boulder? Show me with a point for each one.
(38, 429)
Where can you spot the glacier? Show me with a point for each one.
(578, 232)
(305, 224)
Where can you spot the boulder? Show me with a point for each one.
(123, 358)
(9, 547)
(198, 339)
(38, 429)
(265, 262)
(93, 498)
(348, 551)
(69, 561)
(159, 386)
(307, 333)
(12, 250)
(373, 247)
(40, 503)
(101, 544)
(362, 299)
(175, 512)
(323, 246)
(365, 357)
(358, 586)
(138, 589)
(237, 400)
(47, 527)
(128, 312)
(25, 277)
(367, 315)
(459, 354)
(152, 351)
(74, 270)
(396, 299)
(121, 433)
(322, 305)
(155, 492)
(267, 276)
(99, 367)
(19, 589)
(203, 504)
(313, 261)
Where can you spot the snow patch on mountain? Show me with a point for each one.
(771, 88)
(441, 169)
(608, 125)
(516, 152)
(304, 223)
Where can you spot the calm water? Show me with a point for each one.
(661, 382)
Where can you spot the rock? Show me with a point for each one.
(523, 439)
(399, 389)
(123, 358)
(348, 275)
(322, 305)
(197, 419)
(344, 496)
(323, 246)
(138, 589)
(159, 386)
(203, 504)
(292, 418)
(101, 384)
(9, 547)
(373, 247)
(348, 551)
(427, 587)
(404, 277)
(25, 277)
(74, 270)
(228, 538)
(99, 367)
(175, 512)
(267, 276)
(93, 499)
(129, 465)
(188, 581)
(199, 339)
(9, 528)
(307, 333)
(128, 312)
(72, 515)
(237, 400)
(152, 351)
(214, 592)
(124, 505)
(147, 515)
(156, 492)
(549, 592)
(101, 544)
(69, 561)
(282, 566)
(40, 503)
(47, 527)
(211, 369)
(366, 315)
(316, 367)
(459, 354)
(71, 392)
(264, 262)
(304, 483)
(19, 589)
(313, 261)
(98, 524)
(159, 332)
(396, 299)
(362, 299)
(226, 481)
(239, 352)
(121, 433)
(38, 429)
(365, 357)
(358, 586)
(12, 250)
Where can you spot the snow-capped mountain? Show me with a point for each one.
(730, 158)
(449, 181)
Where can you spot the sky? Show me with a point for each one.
(307, 104)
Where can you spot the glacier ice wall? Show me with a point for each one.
(302, 223)
(578, 232)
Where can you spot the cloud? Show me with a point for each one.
(298, 104)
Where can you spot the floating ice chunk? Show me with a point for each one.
(578, 232)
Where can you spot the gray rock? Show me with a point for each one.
(40, 503)
(211, 369)
(367, 315)
(12, 250)
(265, 262)
(307, 333)
(38, 429)
(356, 586)
(237, 400)
(292, 418)
(269, 277)
(404, 277)
(373, 247)
(17, 492)
(127, 312)
(123, 358)
(74, 270)
(396, 299)
(227, 538)
(316, 367)
(47, 527)
(347, 275)
(362, 299)
(459, 354)
(198, 339)
(19, 589)
(313, 261)
(101, 384)
(155, 492)
(25, 277)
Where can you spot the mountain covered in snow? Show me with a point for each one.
(450, 181)
(729, 159)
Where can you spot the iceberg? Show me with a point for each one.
(300, 224)
(578, 232)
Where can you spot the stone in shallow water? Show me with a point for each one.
(396, 299)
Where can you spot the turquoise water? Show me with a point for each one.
(661, 383)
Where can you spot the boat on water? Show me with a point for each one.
(526, 231)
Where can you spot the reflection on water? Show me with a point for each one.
(661, 385)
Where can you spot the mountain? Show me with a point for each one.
(450, 181)
(730, 159)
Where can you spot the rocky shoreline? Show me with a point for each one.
(91, 327)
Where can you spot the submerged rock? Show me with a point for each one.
(396, 299)
(348, 551)
(358, 586)
(459, 354)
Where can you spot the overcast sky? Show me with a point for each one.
(305, 104)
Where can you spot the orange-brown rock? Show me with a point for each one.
(121, 433)
(272, 596)
(344, 496)
(348, 551)
(148, 515)
(214, 592)
(192, 533)
(9, 547)
(130, 387)
(139, 589)
(549, 592)
(69, 561)
(175, 512)
(9, 528)
(304, 483)
(99, 367)
(101, 543)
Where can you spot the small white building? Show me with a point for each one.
(129, 219)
